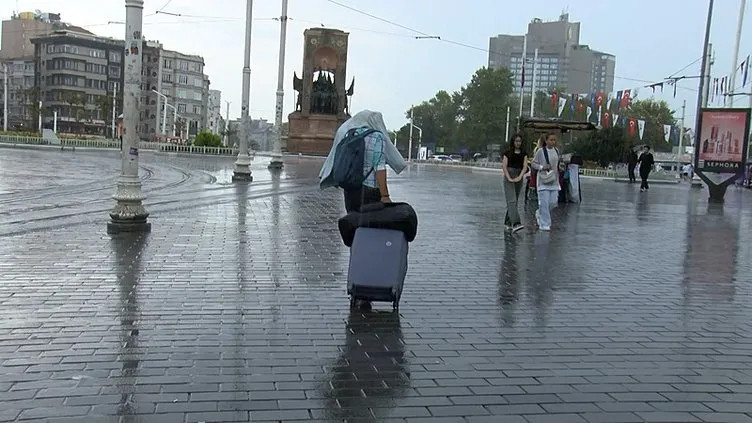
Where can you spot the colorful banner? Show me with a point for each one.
(722, 140)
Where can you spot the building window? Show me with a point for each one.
(198, 82)
(196, 109)
(182, 94)
(183, 65)
(166, 77)
(181, 108)
(167, 64)
(183, 79)
(197, 96)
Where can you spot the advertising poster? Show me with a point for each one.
(722, 141)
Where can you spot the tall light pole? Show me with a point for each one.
(227, 125)
(420, 138)
(532, 87)
(114, 101)
(164, 111)
(681, 138)
(410, 137)
(522, 87)
(276, 162)
(732, 81)
(507, 129)
(243, 162)
(129, 214)
(5, 97)
(174, 118)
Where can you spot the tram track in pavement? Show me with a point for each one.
(157, 208)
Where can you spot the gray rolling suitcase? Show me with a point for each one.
(378, 265)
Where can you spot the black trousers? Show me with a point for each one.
(644, 176)
(631, 168)
(356, 199)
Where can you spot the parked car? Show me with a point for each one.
(455, 158)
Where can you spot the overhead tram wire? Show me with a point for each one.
(449, 41)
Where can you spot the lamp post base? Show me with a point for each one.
(276, 162)
(129, 214)
(242, 177)
(119, 226)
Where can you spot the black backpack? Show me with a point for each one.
(347, 172)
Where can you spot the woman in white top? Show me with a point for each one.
(548, 181)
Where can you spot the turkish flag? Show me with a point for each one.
(632, 127)
(599, 100)
(606, 120)
(555, 101)
(624, 100)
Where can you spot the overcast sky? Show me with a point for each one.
(651, 40)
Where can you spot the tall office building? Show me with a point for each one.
(562, 61)
(214, 122)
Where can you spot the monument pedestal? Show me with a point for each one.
(312, 134)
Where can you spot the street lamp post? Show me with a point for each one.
(5, 97)
(129, 214)
(243, 163)
(175, 116)
(420, 138)
(164, 110)
(276, 162)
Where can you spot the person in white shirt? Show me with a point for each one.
(546, 162)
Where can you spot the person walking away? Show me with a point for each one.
(646, 165)
(379, 152)
(514, 166)
(546, 162)
(631, 164)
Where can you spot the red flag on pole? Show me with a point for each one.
(632, 127)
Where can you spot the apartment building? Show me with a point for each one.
(76, 76)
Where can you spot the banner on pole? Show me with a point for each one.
(666, 132)
(562, 103)
(641, 127)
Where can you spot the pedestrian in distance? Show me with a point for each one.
(546, 162)
(646, 165)
(514, 166)
(631, 164)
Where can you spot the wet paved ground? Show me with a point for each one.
(634, 308)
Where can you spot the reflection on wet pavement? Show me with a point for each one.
(634, 308)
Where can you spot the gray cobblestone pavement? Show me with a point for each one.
(634, 308)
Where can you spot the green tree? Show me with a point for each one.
(655, 114)
(207, 139)
(437, 118)
(482, 108)
(104, 105)
(32, 98)
(179, 127)
(609, 145)
(76, 103)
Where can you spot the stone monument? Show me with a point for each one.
(322, 98)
